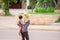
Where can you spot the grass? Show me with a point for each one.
(8, 14)
(42, 13)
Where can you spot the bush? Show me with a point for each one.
(51, 10)
(29, 7)
(44, 10)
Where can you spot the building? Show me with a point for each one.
(19, 5)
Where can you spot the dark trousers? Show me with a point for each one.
(25, 35)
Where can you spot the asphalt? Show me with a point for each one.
(8, 34)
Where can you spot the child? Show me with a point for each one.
(20, 23)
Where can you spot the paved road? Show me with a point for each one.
(12, 34)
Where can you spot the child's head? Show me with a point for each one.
(20, 17)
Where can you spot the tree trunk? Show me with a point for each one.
(6, 8)
(58, 4)
(55, 2)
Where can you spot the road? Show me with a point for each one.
(12, 34)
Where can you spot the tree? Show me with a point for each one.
(33, 3)
(5, 5)
(58, 4)
(46, 3)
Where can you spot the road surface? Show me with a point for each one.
(12, 34)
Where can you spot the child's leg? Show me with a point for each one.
(19, 33)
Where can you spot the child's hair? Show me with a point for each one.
(20, 17)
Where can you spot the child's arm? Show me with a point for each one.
(22, 21)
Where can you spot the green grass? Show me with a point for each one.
(42, 13)
(8, 14)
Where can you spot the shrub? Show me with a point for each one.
(44, 10)
(29, 7)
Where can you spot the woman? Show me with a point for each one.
(24, 28)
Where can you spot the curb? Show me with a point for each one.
(31, 29)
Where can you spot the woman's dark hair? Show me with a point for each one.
(20, 17)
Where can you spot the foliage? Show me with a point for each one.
(5, 5)
(33, 3)
(44, 10)
(29, 7)
(23, 1)
(41, 3)
(15, 1)
(45, 3)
